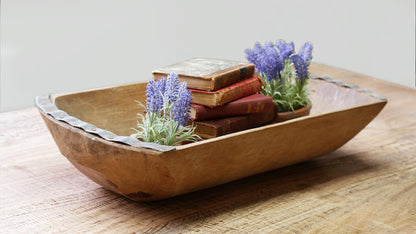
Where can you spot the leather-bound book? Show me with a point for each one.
(207, 73)
(218, 127)
(254, 103)
(225, 95)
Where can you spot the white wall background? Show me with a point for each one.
(52, 46)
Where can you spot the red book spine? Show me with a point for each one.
(239, 90)
(254, 103)
(219, 127)
(230, 93)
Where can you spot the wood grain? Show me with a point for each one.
(140, 174)
(368, 185)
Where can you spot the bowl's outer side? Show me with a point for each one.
(144, 174)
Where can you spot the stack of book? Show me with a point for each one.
(224, 93)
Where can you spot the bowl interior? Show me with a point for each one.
(115, 109)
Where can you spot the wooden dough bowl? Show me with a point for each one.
(148, 172)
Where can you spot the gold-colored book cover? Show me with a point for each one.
(207, 73)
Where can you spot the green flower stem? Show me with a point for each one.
(160, 128)
(288, 93)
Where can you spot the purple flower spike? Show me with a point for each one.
(266, 60)
(271, 64)
(306, 52)
(182, 108)
(280, 45)
(301, 67)
(254, 56)
(285, 49)
(161, 85)
(164, 94)
(171, 89)
(270, 59)
(154, 99)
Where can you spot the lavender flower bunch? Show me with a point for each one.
(167, 112)
(284, 72)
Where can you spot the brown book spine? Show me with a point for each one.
(225, 95)
(232, 76)
(254, 103)
(219, 127)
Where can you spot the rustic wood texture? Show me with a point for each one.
(140, 174)
(288, 115)
(368, 185)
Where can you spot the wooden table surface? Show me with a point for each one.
(368, 185)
